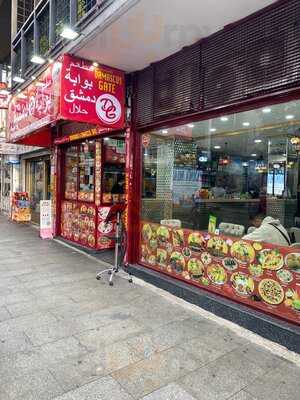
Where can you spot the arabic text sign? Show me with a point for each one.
(36, 106)
(92, 94)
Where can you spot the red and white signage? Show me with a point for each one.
(36, 106)
(71, 89)
(92, 94)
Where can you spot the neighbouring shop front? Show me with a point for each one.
(219, 141)
(36, 180)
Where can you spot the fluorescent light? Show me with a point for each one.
(246, 123)
(4, 92)
(18, 79)
(95, 64)
(257, 141)
(69, 33)
(224, 119)
(191, 125)
(245, 164)
(289, 117)
(253, 155)
(266, 110)
(213, 129)
(33, 77)
(50, 61)
(36, 59)
(164, 131)
(217, 147)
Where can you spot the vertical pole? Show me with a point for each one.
(52, 22)
(73, 12)
(36, 36)
(23, 54)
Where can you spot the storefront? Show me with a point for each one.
(219, 133)
(92, 179)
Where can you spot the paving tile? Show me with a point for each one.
(117, 331)
(222, 378)
(88, 367)
(64, 349)
(20, 363)
(14, 343)
(169, 335)
(156, 371)
(170, 392)
(103, 389)
(280, 383)
(4, 314)
(39, 385)
(17, 297)
(26, 322)
(242, 395)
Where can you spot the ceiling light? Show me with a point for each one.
(253, 155)
(18, 79)
(33, 77)
(257, 141)
(245, 164)
(69, 33)
(164, 131)
(266, 110)
(224, 119)
(289, 117)
(246, 123)
(217, 147)
(95, 64)
(50, 60)
(191, 125)
(36, 59)
(213, 129)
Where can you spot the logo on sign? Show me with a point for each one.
(108, 109)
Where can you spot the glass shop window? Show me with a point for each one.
(71, 172)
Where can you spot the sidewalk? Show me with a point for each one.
(66, 336)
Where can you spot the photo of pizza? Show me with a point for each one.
(271, 291)
(243, 252)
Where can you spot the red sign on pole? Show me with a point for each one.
(92, 94)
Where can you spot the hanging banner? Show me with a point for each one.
(92, 94)
(36, 106)
(46, 219)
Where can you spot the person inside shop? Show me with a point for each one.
(119, 186)
(268, 229)
(219, 189)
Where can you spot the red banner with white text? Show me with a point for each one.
(92, 94)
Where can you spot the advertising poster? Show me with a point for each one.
(46, 219)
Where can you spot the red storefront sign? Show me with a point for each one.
(92, 94)
(71, 89)
(36, 106)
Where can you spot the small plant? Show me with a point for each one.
(44, 44)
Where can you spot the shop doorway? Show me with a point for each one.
(38, 184)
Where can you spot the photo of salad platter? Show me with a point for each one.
(243, 252)
(195, 268)
(271, 259)
(217, 247)
(217, 274)
(242, 283)
(292, 261)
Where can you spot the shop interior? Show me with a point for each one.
(231, 167)
(94, 180)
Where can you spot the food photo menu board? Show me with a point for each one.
(261, 275)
